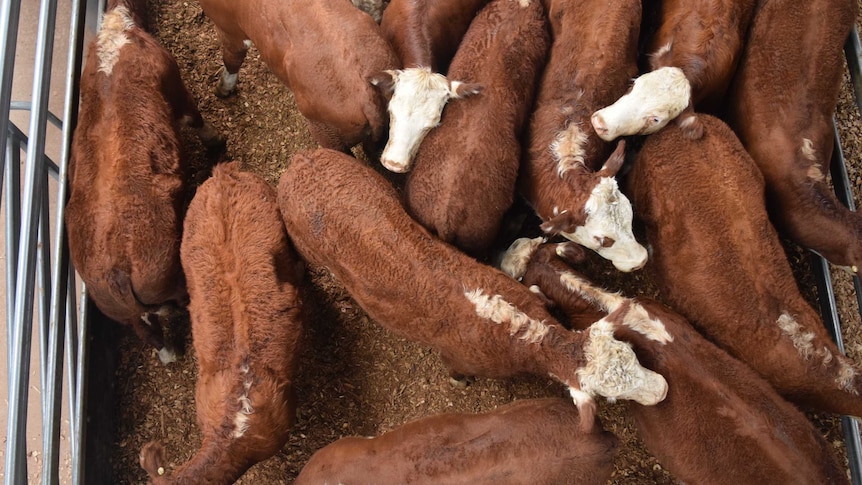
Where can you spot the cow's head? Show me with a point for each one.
(613, 370)
(604, 223)
(416, 100)
(656, 98)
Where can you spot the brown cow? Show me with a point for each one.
(126, 174)
(588, 68)
(344, 216)
(781, 106)
(528, 442)
(325, 51)
(245, 309)
(721, 422)
(425, 34)
(693, 57)
(719, 261)
(465, 174)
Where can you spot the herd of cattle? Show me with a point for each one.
(539, 103)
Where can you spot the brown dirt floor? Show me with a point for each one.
(354, 377)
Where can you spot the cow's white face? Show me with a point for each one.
(656, 98)
(613, 370)
(417, 102)
(608, 227)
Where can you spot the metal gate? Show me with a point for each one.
(40, 282)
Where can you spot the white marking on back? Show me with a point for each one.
(846, 375)
(636, 318)
(801, 340)
(609, 215)
(499, 311)
(613, 371)
(516, 258)
(568, 149)
(112, 37)
(245, 408)
(814, 171)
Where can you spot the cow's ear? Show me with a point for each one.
(615, 161)
(458, 89)
(570, 252)
(564, 222)
(385, 81)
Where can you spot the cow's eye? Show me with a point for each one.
(605, 242)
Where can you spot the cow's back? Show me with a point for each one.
(535, 441)
(126, 177)
(465, 173)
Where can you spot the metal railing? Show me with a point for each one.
(38, 270)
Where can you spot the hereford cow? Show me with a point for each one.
(344, 216)
(528, 442)
(425, 34)
(465, 174)
(127, 177)
(328, 69)
(587, 69)
(245, 310)
(721, 422)
(693, 57)
(781, 106)
(719, 261)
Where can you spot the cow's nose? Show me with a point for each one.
(599, 124)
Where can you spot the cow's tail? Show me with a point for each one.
(122, 295)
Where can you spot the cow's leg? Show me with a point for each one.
(186, 109)
(148, 328)
(233, 51)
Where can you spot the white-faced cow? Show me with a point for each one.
(592, 58)
(325, 51)
(127, 176)
(692, 58)
(721, 422)
(719, 262)
(781, 106)
(244, 283)
(425, 34)
(346, 217)
(466, 170)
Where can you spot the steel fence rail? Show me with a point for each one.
(38, 270)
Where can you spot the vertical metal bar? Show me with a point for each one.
(853, 52)
(43, 279)
(826, 294)
(829, 311)
(49, 341)
(10, 12)
(13, 223)
(16, 465)
(81, 369)
(71, 356)
(62, 303)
